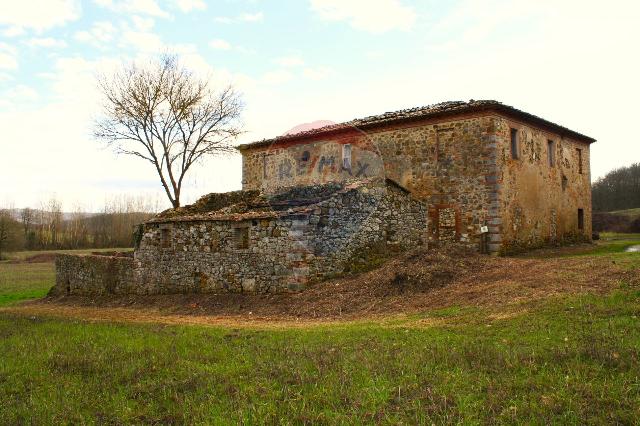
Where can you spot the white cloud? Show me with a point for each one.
(24, 92)
(146, 42)
(8, 59)
(39, 15)
(143, 24)
(140, 36)
(98, 34)
(13, 31)
(220, 44)
(20, 94)
(223, 20)
(373, 16)
(189, 5)
(47, 42)
(243, 17)
(319, 73)
(289, 61)
(251, 17)
(143, 7)
(277, 77)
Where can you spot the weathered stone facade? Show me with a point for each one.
(316, 203)
(457, 158)
(93, 275)
(266, 248)
(540, 200)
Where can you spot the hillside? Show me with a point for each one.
(625, 221)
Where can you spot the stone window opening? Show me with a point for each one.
(581, 219)
(579, 160)
(514, 145)
(165, 237)
(551, 152)
(346, 156)
(565, 182)
(305, 156)
(241, 237)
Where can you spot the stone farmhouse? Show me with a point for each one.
(325, 201)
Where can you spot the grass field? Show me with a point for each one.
(563, 359)
(23, 281)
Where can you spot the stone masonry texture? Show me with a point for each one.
(324, 202)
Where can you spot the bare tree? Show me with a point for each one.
(167, 116)
(27, 216)
(4, 231)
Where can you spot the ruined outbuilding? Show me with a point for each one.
(326, 201)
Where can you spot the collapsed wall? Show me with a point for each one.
(259, 244)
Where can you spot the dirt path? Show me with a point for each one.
(414, 282)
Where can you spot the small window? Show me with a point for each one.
(346, 156)
(579, 151)
(241, 237)
(305, 156)
(165, 237)
(581, 219)
(551, 152)
(565, 182)
(514, 144)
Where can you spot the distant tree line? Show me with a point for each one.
(48, 227)
(618, 190)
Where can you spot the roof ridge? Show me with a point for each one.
(447, 107)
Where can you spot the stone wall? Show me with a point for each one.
(449, 164)
(278, 251)
(539, 202)
(462, 168)
(92, 275)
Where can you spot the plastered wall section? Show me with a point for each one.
(274, 168)
(539, 198)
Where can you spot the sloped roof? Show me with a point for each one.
(246, 205)
(430, 111)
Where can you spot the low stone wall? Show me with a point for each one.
(95, 275)
(280, 253)
(275, 251)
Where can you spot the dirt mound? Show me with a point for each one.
(416, 281)
(39, 258)
(113, 253)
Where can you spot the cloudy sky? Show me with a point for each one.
(574, 62)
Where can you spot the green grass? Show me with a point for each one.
(569, 361)
(615, 243)
(24, 281)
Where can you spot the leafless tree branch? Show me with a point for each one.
(167, 116)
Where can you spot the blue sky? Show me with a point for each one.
(572, 62)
